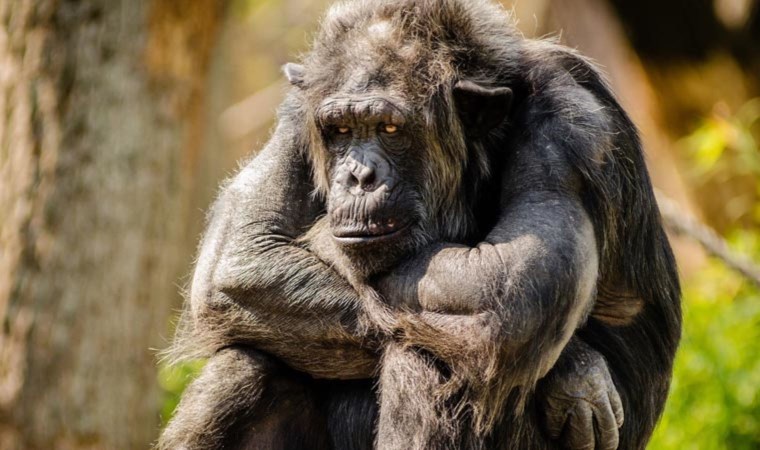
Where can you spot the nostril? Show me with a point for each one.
(351, 180)
(367, 180)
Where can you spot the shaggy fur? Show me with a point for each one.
(520, 232)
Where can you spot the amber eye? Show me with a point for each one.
(343, 130)
(390, 128)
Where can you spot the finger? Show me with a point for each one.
(579, 432)
(556, 416)
(607, 436)
(617, 406)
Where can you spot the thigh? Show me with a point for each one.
(350, 409)
(245, 399)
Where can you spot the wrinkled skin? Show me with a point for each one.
(373, 201)
(496, 260)
(581, 405)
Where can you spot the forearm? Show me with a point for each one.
(519, 294)
(281, 299)
(305, 345)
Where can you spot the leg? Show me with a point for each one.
(412, 415)
(351, 412)
(245, 399)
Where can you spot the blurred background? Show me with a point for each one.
(119, 119)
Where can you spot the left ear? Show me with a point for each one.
(295, 73)
(481, 109)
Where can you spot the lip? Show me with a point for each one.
(366, 238)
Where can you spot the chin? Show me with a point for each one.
(375, 252)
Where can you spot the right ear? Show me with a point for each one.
(295, 73)
(481, 108)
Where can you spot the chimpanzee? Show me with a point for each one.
(450, 241)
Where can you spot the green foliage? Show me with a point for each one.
(725, 166)
(715, 396)
(173, 380)
(727, 144)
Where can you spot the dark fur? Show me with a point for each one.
(558, 199)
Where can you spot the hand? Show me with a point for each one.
(398, 289)
(582, 406)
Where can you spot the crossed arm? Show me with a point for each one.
(500, 313)
(522, 292)
(524, 289)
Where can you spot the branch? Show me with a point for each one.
(682, 223)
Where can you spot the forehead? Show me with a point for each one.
(375, 56)
(374, 106)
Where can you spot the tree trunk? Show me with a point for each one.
(99, 109)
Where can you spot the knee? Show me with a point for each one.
(239, 366)
(234, 387)
(240, 377)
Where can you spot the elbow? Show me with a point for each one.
(209, 305)
(213, 290)
(559, 303)
(547, 294)
(221, 273)
(203, 288)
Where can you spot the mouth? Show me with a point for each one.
(367, 235)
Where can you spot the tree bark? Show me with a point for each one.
(99, 109)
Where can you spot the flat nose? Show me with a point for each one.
(363, 176)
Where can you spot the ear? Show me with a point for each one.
(295, 73)
(481, 109)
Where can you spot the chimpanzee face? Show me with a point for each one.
(392, 169)
(376, 167)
